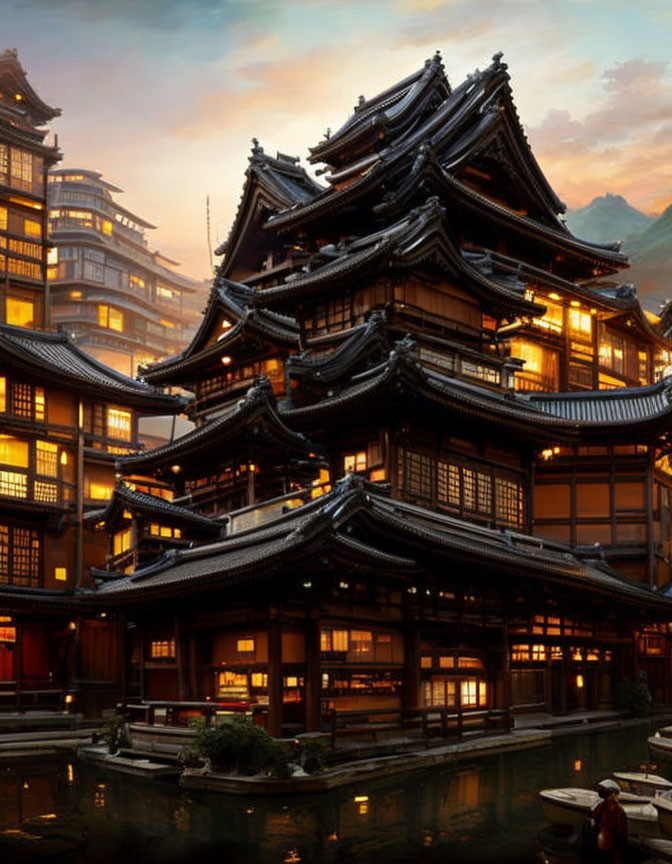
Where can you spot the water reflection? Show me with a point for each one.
(483, 812)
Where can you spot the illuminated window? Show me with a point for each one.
(612, 351)
(13, 451)
(3, 216)
(446, 662)
(106, 227)
(21, 169)
(162, 649)
(32, 228)
(470, 662)
(163, 292)
(439, 692)
(552, 318)
(354, 462)
(119, 424)
(259, 679)
(100, 491)
(3, 394)
(361, 642)
(47, 458)
(46, 493)
(61, 574)
(469, 693)
(14, 484)
(580, 324)
(245, 646)
(39, 403)
(520, 653)
(20, 556)
(425, 662)
(232, 684)
(20, 313)
(122, 541)
(110, 318)
(339, 640)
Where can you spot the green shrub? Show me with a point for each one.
(312, 754)
(239, 746)
(633, 697)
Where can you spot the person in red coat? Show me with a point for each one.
(605, 841)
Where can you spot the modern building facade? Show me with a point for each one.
(425, 326)
(123, 303)
(25, 158)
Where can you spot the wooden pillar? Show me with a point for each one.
(121, 659)
(18, 664)
(412, 653)
(313, 673)
(506, 666)
(79, 525)
(142, 663)
(274, 673)
(650, 539)
(565, 681)
(179, 658)
(194, 682)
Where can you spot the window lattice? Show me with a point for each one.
(20, 556)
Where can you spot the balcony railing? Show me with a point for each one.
(258, 514)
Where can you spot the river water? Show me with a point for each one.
(72, 812)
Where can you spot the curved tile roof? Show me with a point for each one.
(55, 356)
(606, 407)
(360, 522)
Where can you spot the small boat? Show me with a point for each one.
(642, 783)
(660, 747)
(660, 847)
(663, 804)
(569, 807)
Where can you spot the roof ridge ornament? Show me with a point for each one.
(260, 391)
(257, 151)
(497, 62)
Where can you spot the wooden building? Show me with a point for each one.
(25, 158)
(64, 420)
(123, 302)
(425, 326)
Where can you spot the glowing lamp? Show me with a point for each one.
(574, 303)
(226, 360)
(579, 681)
(554, 296)
(175, 469)
(69, 698)
(18, 97)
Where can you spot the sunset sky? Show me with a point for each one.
(163, 96)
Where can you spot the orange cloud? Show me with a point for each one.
(624, 145)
